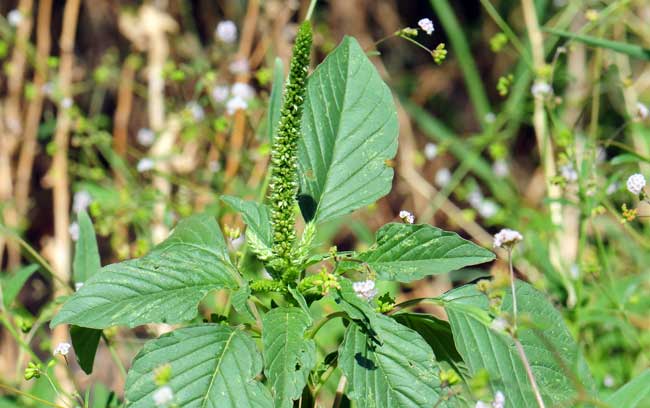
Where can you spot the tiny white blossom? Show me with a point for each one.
(235, 104)
(426, 25)
(243, 90)
(146, 136)
(635, 183)
(443, 177)
(226, 31)
(499, 324)
(488, 209)
(78, 286)
(569, 173)
(490, 117)
(475, 198)
(196, 110)
(500, 168)
(220, 93)
(62, 348)
(163, 396)
(66, 103)
(608, 381)
(541, 89)
(430, 151)
(81, 200)
(145, 164)
(642, 111)
(14, 17)
(499, 400)
(506, 238)
(365, 289)
(407, 217)
(73, 229)
(239, 66)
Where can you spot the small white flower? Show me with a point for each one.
(426, 25)
(642, 111)
(443, 177)
(541, 89)
(499, 400)
(569, 173)
(163, 396)
(499, 324)
(14, 17)
(490, 117)
(407, 217)
(500, 168)
(81, 200)
(475, 198)
(78, 286)
(365, 289)
(430, 151)
(608, 381)
(481, 404)
(488, 209)
(635, 183)
(507, 238)
(214, 166)
(66, 103)
(73, 229)
(145, 164)
(239, 66)
(226, 31)
(146, 136)
(243, 90)
(220, 93)
(196, 110)
(235, 104)
(62, 348)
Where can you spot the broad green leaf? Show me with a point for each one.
(406, 252)
(288, 356)
(635, 51)
(349, 133)
(347, 299)
(85, 342)
(164, 286)
(394, 367)
(633, 393)
(86, 254)
(482, 347)
(275, 99)
(11, 285)
(211, 366)
(256, 216)
(437, 333)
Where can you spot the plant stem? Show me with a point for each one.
(310, 10)
(514, 293)
(340, 389)
(529, 372)
(322, 323)
(24, 394)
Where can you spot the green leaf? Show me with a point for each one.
(349, 127)
(633, 393)
(211, 366)
(255, 215)
(347, 299)
(405, 252)
(437, 333)
(485, 348)
(394, 367)
(11, 285)
(635, 51)
(288, 356)
(85, 342)
(275, 99)
(86, 254)
(164, 286)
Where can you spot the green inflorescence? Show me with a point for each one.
(284, 177)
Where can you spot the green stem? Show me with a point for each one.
(310, 10)
(115, 357)
(30, 396)
(323, 321)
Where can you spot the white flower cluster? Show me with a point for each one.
(407, 217)
(443, 177)
(500, 168)
(81, 200)
(62, 349)
(220, 93)
(163, 396)
(146, 137)
(241, 94)
(365, 289)
(635, 183)
(226, 31)
(14, 17)
(569, 173)
(499, 402)
(145, 164)
(541, 89)
(642, 111)
(196, 110)
(426, 25)
(507, 238)
(430, 151)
